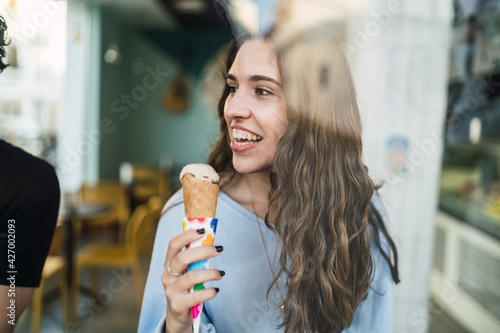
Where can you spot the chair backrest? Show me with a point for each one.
(141, 229)
(57, 241)
(144, 181)
(111, 193)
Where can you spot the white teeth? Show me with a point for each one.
(239, 144)
(245, 136)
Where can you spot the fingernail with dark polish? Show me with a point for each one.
(217, 289)
(222, 273)
(219, 248)
(200, 231)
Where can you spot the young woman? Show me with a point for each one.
(303, 243)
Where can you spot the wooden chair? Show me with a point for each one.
(113, 194)
(139, 238)
(54, 265)
(144, 181)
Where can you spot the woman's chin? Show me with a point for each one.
(246, 168)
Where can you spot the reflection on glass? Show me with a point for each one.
(32, 85)
(470, 181)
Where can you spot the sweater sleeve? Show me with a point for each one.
(154, 304)
(375, 314)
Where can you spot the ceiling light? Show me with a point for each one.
(190, 6)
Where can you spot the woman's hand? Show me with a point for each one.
(179, 299)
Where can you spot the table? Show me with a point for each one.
(76, 211)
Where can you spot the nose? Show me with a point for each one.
(237, 105)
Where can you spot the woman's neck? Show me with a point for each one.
(250, 191)
(259, 184)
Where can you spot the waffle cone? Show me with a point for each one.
(200, 196)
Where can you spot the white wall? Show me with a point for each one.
(399, 54)
(78, 131)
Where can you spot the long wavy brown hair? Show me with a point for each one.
(319, 204)
(3, 42)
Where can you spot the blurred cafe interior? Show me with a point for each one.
(119, 95)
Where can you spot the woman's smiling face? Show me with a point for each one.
(255, 109)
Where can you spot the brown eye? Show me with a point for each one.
(232, 89)
(262, 92)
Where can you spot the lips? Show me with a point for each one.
(239, 147)
(243, 139)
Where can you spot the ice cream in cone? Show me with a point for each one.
(200, 186)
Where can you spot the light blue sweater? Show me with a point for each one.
(241, 304)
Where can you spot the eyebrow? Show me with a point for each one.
(255, 78)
